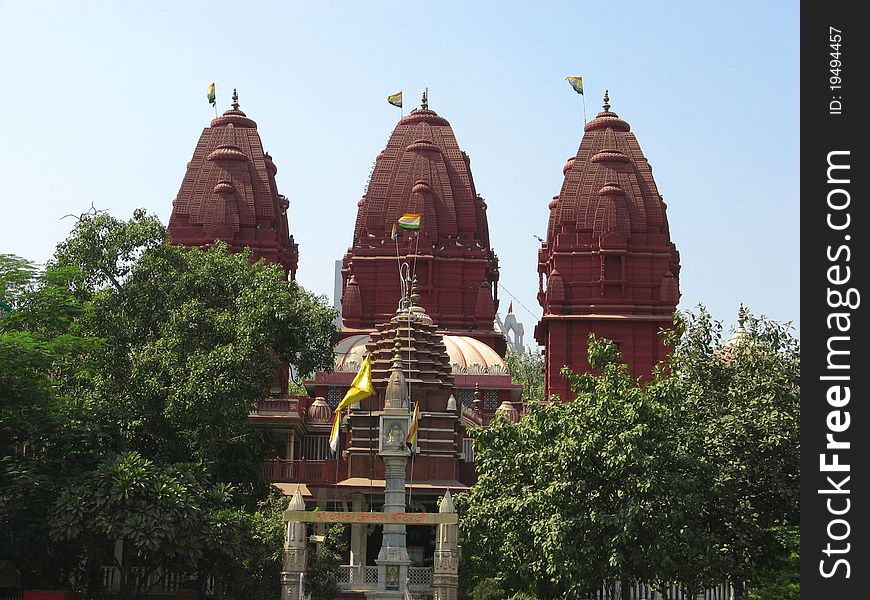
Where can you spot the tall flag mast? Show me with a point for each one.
(577, 84)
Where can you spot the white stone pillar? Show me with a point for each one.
(358, 543)
(295, 543)
(445, 576)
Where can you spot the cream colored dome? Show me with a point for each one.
(349, 353)
(468, 356)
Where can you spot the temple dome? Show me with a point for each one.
(609, 164)
(467, 355)
(319, 411)
(229, 193)
(423, 171)
(608, 265)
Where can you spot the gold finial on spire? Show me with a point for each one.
(606, 101)
(235, 103)
(415, 294)
(425, 104)
(741, 315)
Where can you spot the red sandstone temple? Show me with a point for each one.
(608, 266)
(229, 194)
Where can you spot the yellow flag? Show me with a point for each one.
(395, 99)
(360, 389)
(210, 94)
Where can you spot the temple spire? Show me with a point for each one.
(425, 103)
(235, 103)
(606, 101)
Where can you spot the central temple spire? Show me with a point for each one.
(423, 171)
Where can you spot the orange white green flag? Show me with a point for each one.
(360, 389)
(395, 99)
(410, 221)
(576, 83)
(415, 425)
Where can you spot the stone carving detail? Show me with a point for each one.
(394, 438)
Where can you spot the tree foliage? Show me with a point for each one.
(676, 480)
(164, 518)
(45, 437)
(527, 370)
(322, 571)
(128, 368)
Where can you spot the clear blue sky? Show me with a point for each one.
(104, 103)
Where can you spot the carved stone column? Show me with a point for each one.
(393, 558)
(445, 578)
(358, 543)
(295, 543)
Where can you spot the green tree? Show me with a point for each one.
(127, 346)
(781, 580)
(193, 340)
(251, 544)
(322, 571)
(740, 410)
(163, 517)
(46, 439)
(527, 370)
(668, 481)
(579, 494)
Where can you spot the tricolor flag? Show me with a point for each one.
(360, 389)
(576, 83)
(415, 425)
(210, 94)
(410, 221)
(395, 99)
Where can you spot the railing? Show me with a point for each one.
(419, 578)
(280, 470)
(345, 575)
(277, 406)
(158, 582)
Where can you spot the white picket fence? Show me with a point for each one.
(642, 591)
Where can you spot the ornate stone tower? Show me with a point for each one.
(445, 576)
(423, 170)
(295, 548)
(608, 265)
(229, 194)
(426, 371)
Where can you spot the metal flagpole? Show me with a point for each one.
(413, 455)
(584, 108)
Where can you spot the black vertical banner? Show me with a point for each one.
(835, 420)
